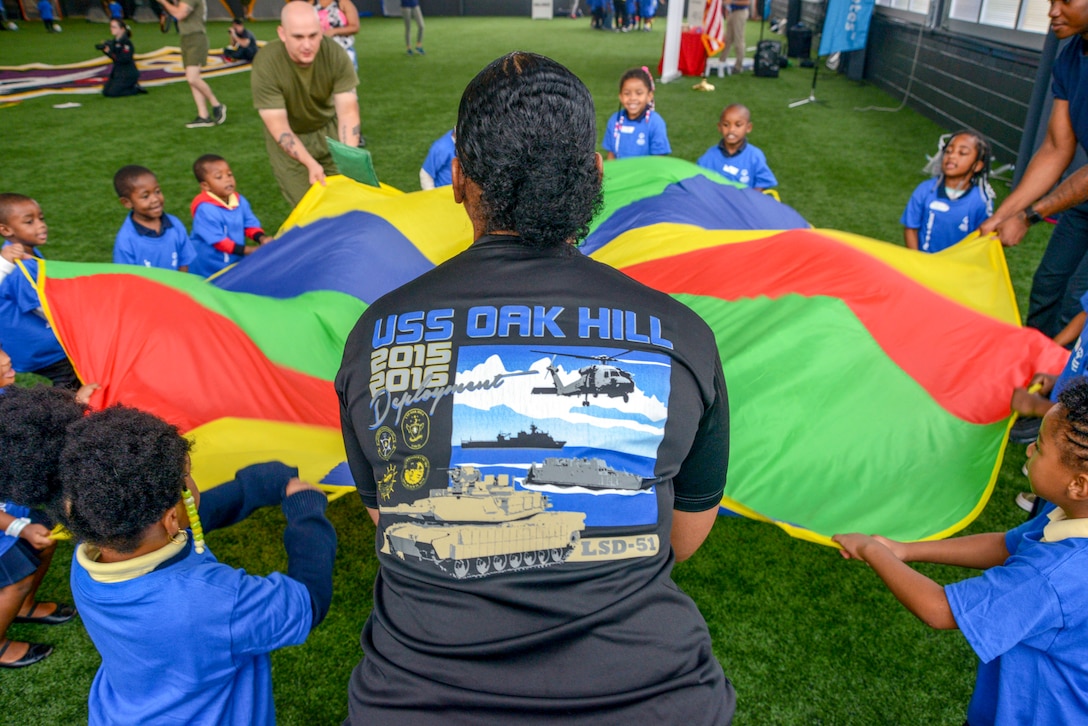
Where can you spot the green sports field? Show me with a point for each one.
(806, 637)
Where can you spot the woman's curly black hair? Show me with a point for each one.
(526, 134)
(121, 469)
(32, 432)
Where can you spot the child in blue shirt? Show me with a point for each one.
(1024, 616)
(45, 11)
(24, 330)
(178, 632)
(148, 236)
(636, 129)
(34, 421)
(437, 169)
(222, 218)
(945, 209)
(116, 11)
(733, 157)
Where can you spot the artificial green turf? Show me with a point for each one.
(806, 638)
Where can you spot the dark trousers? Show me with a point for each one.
(1062, 276)
(619, 7)
(61, 374)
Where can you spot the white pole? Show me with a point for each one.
(670, 65)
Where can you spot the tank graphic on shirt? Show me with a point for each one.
(481, 525)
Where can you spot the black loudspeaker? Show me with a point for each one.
(766, 61)
(793, 13)
(799, 41)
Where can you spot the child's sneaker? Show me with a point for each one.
(409, 51)
(1026, 501)
(419, 49)
(219, 114)
(200, 122)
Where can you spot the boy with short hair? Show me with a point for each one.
(222, 218)
(733, 157)
(1024, 616)
(148, 236)
(27, 335)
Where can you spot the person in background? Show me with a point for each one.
(411, 11)
(437, 169)
(304, 90)
(340, 21)
(124, 77)
(192, 16)
(735, 22)
(243, 44)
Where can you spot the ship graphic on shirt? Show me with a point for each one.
(481, 525)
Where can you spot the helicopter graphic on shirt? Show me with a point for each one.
(601, 378)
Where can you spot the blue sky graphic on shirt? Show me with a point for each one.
(589, 420)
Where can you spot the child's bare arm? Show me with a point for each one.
(979, 551)
(1070, 332)
(910, 238)
(919, 594)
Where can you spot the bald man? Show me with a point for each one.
(304, 90)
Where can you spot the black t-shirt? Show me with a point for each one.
(526, 421)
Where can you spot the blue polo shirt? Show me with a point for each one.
(169, 248)
(25, 333)
(439, 161)
(1027, 622)
(940, 220)
(1074, 367)
(645, 136)
(748, 166)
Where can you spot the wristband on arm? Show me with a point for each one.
(17, 526)
(1032, 217)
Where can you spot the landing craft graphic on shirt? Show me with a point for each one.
(593, 432)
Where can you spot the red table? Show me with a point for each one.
(692, 54)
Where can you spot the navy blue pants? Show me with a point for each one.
(1062, 276)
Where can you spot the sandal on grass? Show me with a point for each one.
(34, 653)
(62, 614)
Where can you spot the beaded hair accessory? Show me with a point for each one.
(194, 520)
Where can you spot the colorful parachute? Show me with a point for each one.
(868, 384)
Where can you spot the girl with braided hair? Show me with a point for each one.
(636, 129)
(1024, 616)
(945, 209)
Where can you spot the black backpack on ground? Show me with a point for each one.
(767, 58)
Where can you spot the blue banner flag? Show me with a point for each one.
(846, 26)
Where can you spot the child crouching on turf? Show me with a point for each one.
(1025, 617)
(222, 218)
(33, 422)
(149, 236)
(182, 637)
(945, 209)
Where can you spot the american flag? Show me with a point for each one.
(713, 27)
